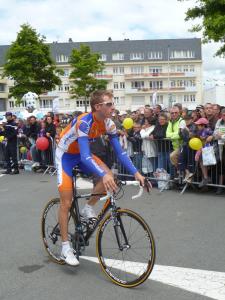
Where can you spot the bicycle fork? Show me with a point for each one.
(118, 227)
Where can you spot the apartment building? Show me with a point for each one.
(139, 72)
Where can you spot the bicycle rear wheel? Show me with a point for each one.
(130, 264)
(50, 230)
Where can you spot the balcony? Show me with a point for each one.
(103, 76)
(159, 75)
(144, 91)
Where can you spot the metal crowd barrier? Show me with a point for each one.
(50, 157)
(158, 168)
(156, 165)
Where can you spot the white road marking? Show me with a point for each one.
(206, 283)
(1, 175)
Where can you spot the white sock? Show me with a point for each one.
(65, 246)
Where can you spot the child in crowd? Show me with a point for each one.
(206, 135)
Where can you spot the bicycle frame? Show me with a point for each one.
(109, 204)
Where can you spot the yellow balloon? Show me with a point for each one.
(23, 150)
(195, 143)
(1, 138)
(128, 123)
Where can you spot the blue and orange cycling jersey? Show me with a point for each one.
(74, 149)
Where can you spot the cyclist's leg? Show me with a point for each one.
(65, 163)
(99, 187)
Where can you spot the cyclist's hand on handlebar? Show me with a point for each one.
(143, 181)
(109, 183)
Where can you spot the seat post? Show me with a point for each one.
(75, 172)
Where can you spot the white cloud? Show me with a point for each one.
(92, 20)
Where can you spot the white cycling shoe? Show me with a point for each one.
(88, 212)
(70, 258)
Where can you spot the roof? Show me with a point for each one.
(127, 47)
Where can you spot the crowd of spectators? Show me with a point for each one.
(158, 140)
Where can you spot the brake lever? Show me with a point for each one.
(147, 185)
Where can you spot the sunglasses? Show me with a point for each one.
(108, 104)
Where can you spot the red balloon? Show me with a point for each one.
(42, 143)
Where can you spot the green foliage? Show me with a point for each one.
(29, 63)
(85, 65)
(212, 15)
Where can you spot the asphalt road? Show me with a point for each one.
(189, 231)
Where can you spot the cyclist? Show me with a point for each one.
(74, 150)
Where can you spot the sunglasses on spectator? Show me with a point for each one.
(173, 113)
(108, 104)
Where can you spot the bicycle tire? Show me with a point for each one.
(50, 230)
(109, 265)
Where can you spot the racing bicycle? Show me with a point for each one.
(124, 242)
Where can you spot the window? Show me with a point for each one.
(66, 87)
(173, 83)
(118, 70)
(192, 98)
(22, 104)
(186, 68)
(172, 68)
(137, 84)
(156, 85)
(179, 68)
(103, 57)
(116, 100)
(67, 102)
(122, 85)
(118, 56)
(137, 69)
(122, 100)
(155, 70)
(155, 55)
(11, 104)
(121, 70)
(182, 54)
(62, 58)
(191, 68)
(159, 99)
(60, 88)
(180, 83)
(66, 72)
(2, 87)
(138, 100)
(102, 73)
(45, 103)
(119, 100)
(115, 85)
(81, 103)
(136, 56)
(188, 98)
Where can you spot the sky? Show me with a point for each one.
(96, 20)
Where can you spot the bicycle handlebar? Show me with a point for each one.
(136, 183)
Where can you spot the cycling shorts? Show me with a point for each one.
(65, 162)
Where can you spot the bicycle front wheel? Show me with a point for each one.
(125, 248)
(51, 232)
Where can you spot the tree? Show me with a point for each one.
(213, 21)
(29, 64)
(85, 65)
